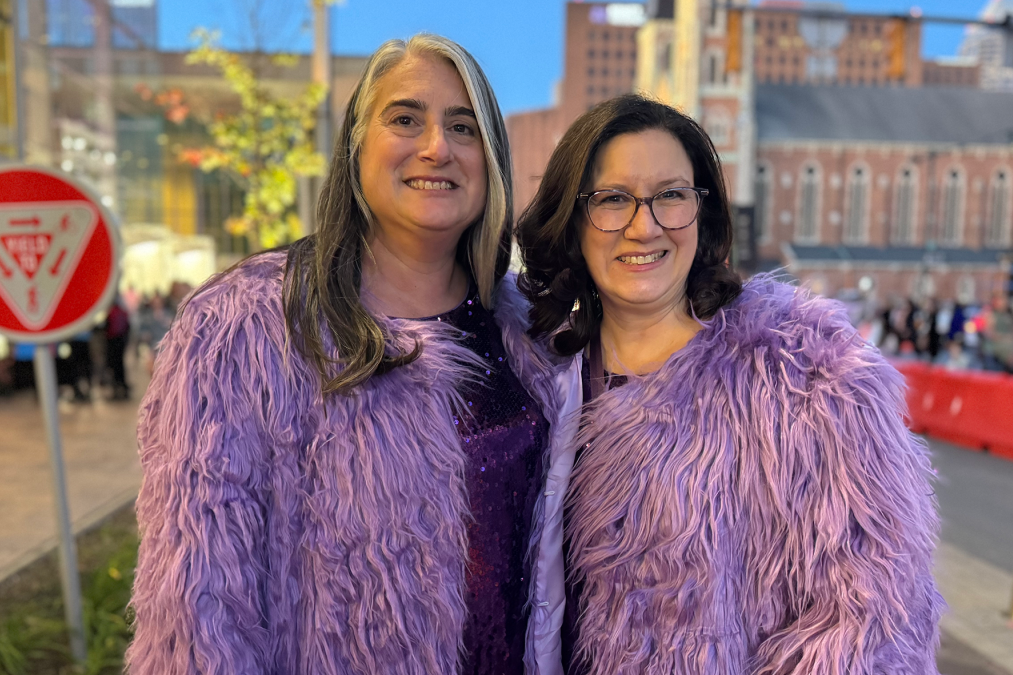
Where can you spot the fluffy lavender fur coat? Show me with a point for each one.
(757, 506)
(286, 534)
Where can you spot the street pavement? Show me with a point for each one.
(974, 563)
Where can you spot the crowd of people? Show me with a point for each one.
(946, 333)
(97, 358)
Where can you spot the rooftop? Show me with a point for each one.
(892, 114)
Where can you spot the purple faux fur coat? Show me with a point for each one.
(287, 535)
(757, 506)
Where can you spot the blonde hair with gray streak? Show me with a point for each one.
(324, 271)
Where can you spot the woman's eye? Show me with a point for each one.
(672, 195)
(403, 120)
(463, 129)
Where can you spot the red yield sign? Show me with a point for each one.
(59, 251)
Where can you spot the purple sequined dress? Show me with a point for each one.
(504, 435)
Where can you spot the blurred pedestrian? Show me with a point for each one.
(117, 331)
(154, 321)
(997, 334)
(81, 366)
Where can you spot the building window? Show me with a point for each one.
(953, 208)
(590, 72)
(905, 202)
(999, 224)
(807, 230)
(718, 127)
(762, 201)
(856, 223)
(590, 53)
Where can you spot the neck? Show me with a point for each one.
(640, 342)
(411, 276)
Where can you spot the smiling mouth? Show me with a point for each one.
(642, 259)
(417, 184)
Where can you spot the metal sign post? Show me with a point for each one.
(45, 382)
(59, 258)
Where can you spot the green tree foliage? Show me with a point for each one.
(266, 146)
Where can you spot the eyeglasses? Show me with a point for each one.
(673, 208)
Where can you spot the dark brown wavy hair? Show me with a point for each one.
(555, 276)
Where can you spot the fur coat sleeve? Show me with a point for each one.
(850, 489)
(757, 506)
(203, 434)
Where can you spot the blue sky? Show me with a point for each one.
(519, 43)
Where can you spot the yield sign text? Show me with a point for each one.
(40, 247)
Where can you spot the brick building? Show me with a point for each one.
(600, 61)
(911, 187)
(792, 47)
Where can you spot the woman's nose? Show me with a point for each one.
(434, 145)
(643, 226)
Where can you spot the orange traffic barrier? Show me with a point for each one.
(970, 408)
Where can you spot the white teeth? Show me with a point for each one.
(642, 259)
(430, 185)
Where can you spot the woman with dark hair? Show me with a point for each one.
(746, 498)
(348, 459)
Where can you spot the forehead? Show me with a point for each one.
(643, 156)
(428, 78)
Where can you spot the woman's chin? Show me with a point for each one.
(643, 296)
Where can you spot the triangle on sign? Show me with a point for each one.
(41, 247)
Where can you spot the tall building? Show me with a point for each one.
(992, 48)
(135, 24)
(599, 62)
(834, 48)
(8, 101)
(71, 23)
(152, 184)
(695, 56)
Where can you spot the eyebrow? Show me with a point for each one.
(454, 111)
(416, 104)
(660, 185)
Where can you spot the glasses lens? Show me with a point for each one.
(610, 210)
(676, 209)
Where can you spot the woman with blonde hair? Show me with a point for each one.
(349, 447)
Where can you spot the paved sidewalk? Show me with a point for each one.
(102, 469)
(978, 594)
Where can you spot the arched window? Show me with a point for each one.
(807, 229)
(904, 206)
(856, 224)
(999, 223)
(952, 211)
(718, 126)
(762, 201)
(715, 67)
